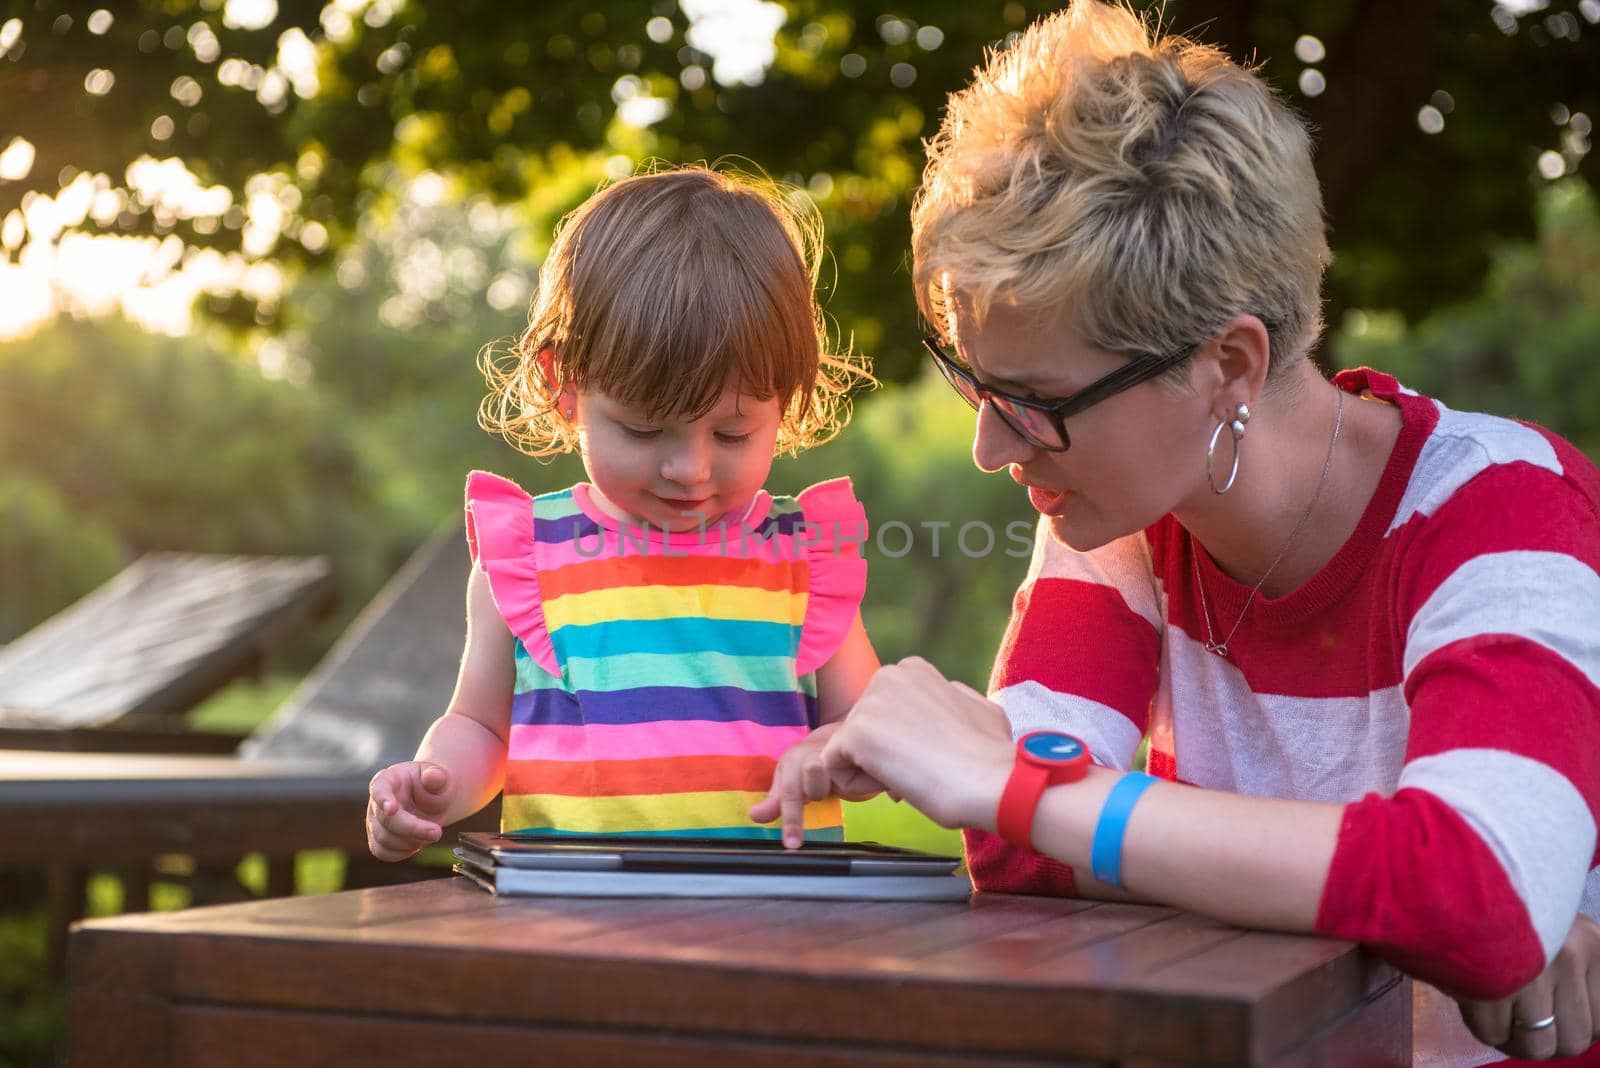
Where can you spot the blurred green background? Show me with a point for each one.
(251, 249)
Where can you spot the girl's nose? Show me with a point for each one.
(687, 466)
(995, 445)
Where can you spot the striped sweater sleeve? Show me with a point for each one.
(1470, 874)
(1081, 654)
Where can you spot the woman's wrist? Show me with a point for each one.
(986, 779)
(1064, 823)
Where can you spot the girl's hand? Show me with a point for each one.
(404, 804)
(801, 776)
(938, 744)
(1569, 990)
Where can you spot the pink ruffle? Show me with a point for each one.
(837, 529)
(500, 532)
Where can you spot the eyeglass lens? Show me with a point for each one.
(1031, 423)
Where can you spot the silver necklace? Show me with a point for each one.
(1221, 648)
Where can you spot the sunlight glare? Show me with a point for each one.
(297, 59)
(73, 202)
(738, 34)
(92, 272)
(17, 160)
(249, 14)
(107, 205)
(10, 34)
(204, 41)
(99, 81)
(168, 183)
(13, 230)
(264, 225)
(44, 219)
(28, 300)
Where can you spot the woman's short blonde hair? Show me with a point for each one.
(1147, 183)
(663, 289)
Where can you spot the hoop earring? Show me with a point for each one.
(1241, 416)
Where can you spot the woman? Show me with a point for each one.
(1362, 631)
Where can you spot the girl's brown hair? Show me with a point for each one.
(662, 289)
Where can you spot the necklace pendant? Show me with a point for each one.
(1220, 648)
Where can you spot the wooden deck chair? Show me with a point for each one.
(117, 669)
(299, 782)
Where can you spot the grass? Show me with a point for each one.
(891, 823)
(242, 706)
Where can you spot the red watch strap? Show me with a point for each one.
(1019, 801)
(1031, 775)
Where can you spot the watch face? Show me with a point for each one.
(1052, 747)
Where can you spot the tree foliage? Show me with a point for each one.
(1525, 346)
(116, 442)
(113, 442)
(491, 93)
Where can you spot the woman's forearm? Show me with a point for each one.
(475, 757)
(1405, 875)
(1252, 861)
(1256, 862)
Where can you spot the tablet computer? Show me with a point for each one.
(733, 855)
(615, 866)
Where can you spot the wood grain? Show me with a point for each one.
(667, 981)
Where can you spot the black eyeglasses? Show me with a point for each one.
(1041, 421)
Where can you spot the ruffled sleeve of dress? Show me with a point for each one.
(836, 530)
(500, 533)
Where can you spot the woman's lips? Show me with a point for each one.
(1049, 502)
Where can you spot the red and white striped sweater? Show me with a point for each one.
(1440, 676)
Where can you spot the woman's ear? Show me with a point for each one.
(1243, 355)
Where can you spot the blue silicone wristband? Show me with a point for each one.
(1105, 855)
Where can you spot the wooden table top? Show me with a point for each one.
(1003, 979)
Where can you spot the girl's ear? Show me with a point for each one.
(567, 396)
(547, 366)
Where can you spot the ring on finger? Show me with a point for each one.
(1534, 1025)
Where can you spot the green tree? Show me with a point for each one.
(1523, 348)
(111, 437)
(50, 555)
(491, 93)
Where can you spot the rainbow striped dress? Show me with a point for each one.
(660, 676)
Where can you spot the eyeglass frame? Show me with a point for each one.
(1130, 374)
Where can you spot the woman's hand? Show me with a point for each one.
(1569, 990)
(935, 743)
(800, 777)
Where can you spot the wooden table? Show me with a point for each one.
(440, 972)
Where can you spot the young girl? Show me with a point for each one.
(643, 647)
